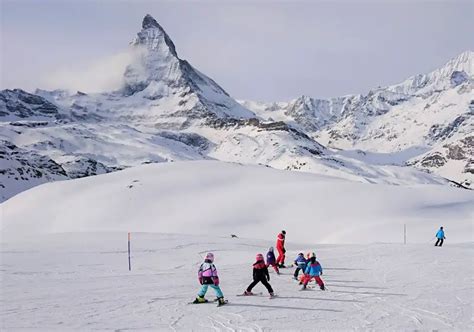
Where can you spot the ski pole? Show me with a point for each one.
(129, 262)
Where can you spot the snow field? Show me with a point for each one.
(81, 281)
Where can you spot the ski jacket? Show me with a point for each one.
(207, 274)
(280, 241)
(314, 269)
(271, 258)
(300, 261)
(260, 271)
(440, 234)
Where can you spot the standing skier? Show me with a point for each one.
(440, 237)
(271, 260)
(313, 271)
(280, 245)
(207, 275)
(260, 274)
(300, 263)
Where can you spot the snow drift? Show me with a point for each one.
(210, 197)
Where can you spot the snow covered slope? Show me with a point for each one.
(216, 198)
(429, 113)
(166, 111)
(81, 282)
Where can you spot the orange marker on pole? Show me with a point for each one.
(129, 263)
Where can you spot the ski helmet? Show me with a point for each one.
(283, 232)
(300, 254)
(313, 255)
(210, 256)
(259, 257)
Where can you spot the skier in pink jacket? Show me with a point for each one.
(207, 275)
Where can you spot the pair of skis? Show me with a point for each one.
(219, 304)
(257, 294)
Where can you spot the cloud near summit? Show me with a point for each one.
(104, 74)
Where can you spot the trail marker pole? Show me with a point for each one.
(129, 263)
(404, 233)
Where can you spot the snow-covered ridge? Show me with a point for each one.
(427, 112)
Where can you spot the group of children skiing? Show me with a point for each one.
(311, 268)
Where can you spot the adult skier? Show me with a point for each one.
(207, 276)
(280, 245)
(440, 237)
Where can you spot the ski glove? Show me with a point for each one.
(284, 250)
(216, 281)
(200, 281)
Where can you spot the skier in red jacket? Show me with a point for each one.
(280, 245)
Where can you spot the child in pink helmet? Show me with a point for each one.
(207, 275)
(260, 274)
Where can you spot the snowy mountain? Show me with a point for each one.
(168, 111)
(428, 119)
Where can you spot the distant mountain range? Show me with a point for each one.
(418, 131)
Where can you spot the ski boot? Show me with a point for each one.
(304, 287)
(221, 301)
(272, 295)
(199, 299)
(322, 287)
(247, 293)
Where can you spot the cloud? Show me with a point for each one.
(105, 74)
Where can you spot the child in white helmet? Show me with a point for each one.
(207, 275)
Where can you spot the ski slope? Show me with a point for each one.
(81, 281)
(64, 266)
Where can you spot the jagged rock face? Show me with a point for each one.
(22, 169)
(18, 104)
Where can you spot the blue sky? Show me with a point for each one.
(265, 50)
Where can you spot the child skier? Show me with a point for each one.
(313, 271)
(207, 275)
(300, 263)
(308, 258)
(260, 274)
(271, 260)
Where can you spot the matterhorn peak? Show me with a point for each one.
(150, 22)
(154, 38)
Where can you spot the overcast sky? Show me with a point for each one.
(264, 50)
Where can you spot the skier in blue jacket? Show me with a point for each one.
(440, 237)
(313, 271)
(300, 263)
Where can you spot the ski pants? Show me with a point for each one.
(307, 279)
(281, 256)
(297, 271)
(263, 281)
(440, 242)
(216, 289)
(275, 267)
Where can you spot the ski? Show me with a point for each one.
(207, 301)
(253, 294)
